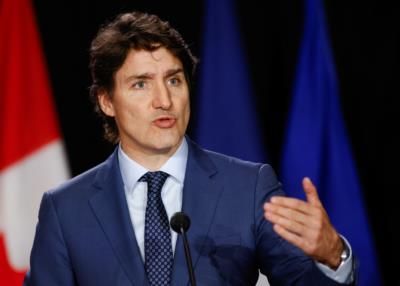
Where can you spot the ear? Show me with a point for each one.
(106, 103)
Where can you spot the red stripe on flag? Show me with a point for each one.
(7, 275)
(27, 117)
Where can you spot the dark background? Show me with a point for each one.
(365, 37)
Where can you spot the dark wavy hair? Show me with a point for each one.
(109, 49)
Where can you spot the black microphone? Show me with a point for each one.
(180, 223)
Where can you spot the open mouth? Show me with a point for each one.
(164, 122)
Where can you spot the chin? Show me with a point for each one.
(166, 144)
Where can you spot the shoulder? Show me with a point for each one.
(86, 183)
(226, 164)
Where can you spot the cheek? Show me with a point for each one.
(185, 108)
(186, 115)
(186, 104)
(129, 114)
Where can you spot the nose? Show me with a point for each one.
(162, 97)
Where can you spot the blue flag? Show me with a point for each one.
(317, 145)
(227, 116)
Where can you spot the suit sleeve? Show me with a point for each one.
(280, 261)
(49, 250)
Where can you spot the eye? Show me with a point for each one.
(174, 81)
(139, 84)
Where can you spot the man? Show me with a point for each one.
(109, 226)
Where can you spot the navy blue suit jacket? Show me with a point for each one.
(85, 236)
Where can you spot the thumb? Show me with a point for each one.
(311, 192)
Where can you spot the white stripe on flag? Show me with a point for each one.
(262, 280)
(21, 188)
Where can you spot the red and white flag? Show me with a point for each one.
(32, 157)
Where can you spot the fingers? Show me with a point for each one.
(302, 226)
(305, 224)
(311, 192)
(293, 204)
(294, 225)
(292, 214)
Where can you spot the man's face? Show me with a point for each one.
(150, 103)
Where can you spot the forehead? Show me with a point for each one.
(160, 60)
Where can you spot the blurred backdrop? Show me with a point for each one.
(365, 38)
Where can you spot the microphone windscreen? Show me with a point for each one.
(180, 221)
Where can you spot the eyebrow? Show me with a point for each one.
(138, 76)
(146, 75)
(172, 72)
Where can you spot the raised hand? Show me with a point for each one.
(306, 225)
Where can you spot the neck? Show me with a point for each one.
(152, 160)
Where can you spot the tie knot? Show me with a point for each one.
(155, 180)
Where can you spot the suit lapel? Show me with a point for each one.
(201, 193)
(110, 207)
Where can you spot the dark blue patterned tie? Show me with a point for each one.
(158, 255)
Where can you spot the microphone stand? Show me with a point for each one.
(188, 257)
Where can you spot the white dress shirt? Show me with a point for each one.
(171, 194)
(136, 192)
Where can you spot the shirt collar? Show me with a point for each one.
(132, 171)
